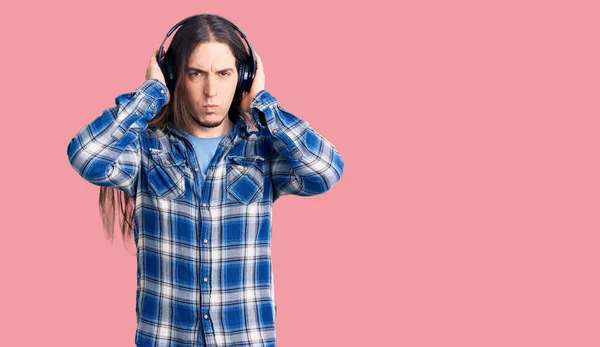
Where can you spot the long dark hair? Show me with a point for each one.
(201, 29)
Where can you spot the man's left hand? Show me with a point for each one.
(258, 84)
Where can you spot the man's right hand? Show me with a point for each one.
(154, 71)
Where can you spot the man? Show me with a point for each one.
(203, 180)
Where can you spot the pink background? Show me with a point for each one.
(467, 214)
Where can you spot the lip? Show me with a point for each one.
(210, 109)
(210, 106)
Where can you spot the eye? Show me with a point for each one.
(198, 73)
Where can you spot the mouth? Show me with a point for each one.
(210, 108)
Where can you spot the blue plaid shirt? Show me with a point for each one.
(204, 269)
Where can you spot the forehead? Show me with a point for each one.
(212, 54)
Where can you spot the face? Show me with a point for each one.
(211, 79)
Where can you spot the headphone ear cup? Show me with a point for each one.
(169, 74)
(241, 85)
(248, 75)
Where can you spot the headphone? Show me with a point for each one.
(246, 68)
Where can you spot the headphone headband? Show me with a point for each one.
(246, 69)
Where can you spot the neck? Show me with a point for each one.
(198, 130)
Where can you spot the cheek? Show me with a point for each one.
(193, 94)
(230, 97)
(232, 87)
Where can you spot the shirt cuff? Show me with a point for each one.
(262, 101)
(282, 125)
(157, 91)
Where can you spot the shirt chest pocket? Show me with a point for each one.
(245, 178)
(166, 175)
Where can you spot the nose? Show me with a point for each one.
(210, 87)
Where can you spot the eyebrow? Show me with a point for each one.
(200, 70)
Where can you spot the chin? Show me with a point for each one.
(211, 120)
(212, 117)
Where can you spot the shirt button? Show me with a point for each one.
(203, 204)
(167, 161)
(136, 112)
(162, 91)
(205, 241)
(196, 169)
(245, 168)
(205, 279)
(206, 316)
(275, 131)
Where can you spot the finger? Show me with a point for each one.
(155, 54)
(258, 61)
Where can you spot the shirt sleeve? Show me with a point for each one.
(106, 152)
(304, 162)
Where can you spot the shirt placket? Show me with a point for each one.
(206, 329)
